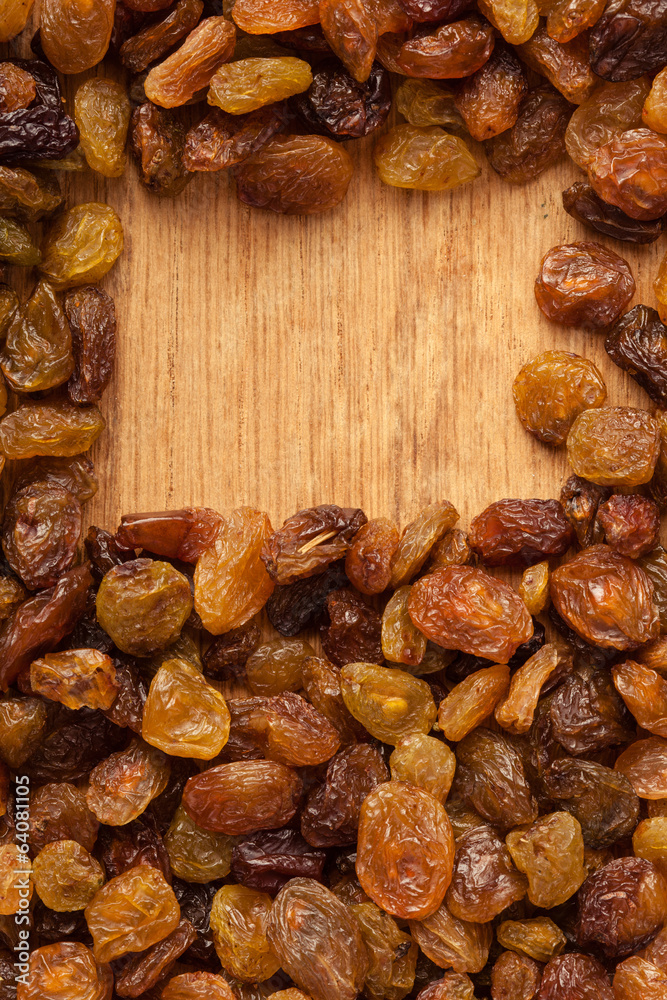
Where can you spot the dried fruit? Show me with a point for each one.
(102, 114)
(318, 941)
(569, 977)
(243, 796)
(606, 598)
(613, 108)
(539, 938)
(338, 105)
(158, 145)
(37, 354)
(78, 678)
(259, 17)
(484, 880)
(621, 906)
(628, 40)
(65, 969)
(75, 34)
(450, 942)
(330, 816)
(249, 84)
(239, 923)
(515, 977)
(552, 390)
(184, 715)
(583, 284)
(535, 141)
(516, 710)
(490, 777)
(472, 701)
(59, 812)
(614, 446)
(41, 532)
(405, 851)
(276, 666)
(176, 80)
(644, 764)
(82, 245)
(131, 912)
(66, 876)
(426, 762)
(389, 703)
(630, 171)
(427, 159)
(563, 63)
(489, 100)
(520, 532)
(124, 784)
(155, 40)
(551, 854)
(269, 859)
(464, 608)
(583, 204)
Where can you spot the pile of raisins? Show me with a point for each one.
(334, 759)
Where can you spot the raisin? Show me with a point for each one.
(239, 922)
(392, 954)
(630, 171)
(157, 37)
(39, 624)
(102, 114)
(17, 245)
(268, 860)
(534, 587)
(58, 812)
(472, 700)
(621, 906)
(638, 344)
(612, 109)
(564, 64)
(137, 843)
(66, 876)
(184, 715)
(336, 104)
(601, 800)
(425, 102)
(514, 977)
(76, 474)
(297, 175)
(402, 642)
(491, 779)
(322, 683)
(583, 204)
(405, 852)
(38, 352)
(448, 941)
(575, 977)
(124, 784)
(583, 284)
(628, 40)
(13, 19)
(631, 524)
(149, 967)
(653, 112)
(581, 501)
(645, 694)
(42, 130)
(330, 816)
(520, 532)
(353, 634)
(515, 21)
(82, 245)
(426, 762)
(67, 968)
(484, 881)
(614, 446)
(648, 841)
(190, 68)
(158, 143)
(243, 797)
(75, 34)
(266, 16)
(296, 734)
(309, 541)
(634, 979)
(132, 912)
(197, 986)
(248, 84)
(489, 100)
(41, 532)
(539, 939)
(295, 606)
(79, 678)
(644, 764)
(389, 703)
(606, 598)
(567, 19)
(587, 714)
(221, 140)
(515, 712)
(654, 565)
(535, 141)
(464, 608)
(427, 159)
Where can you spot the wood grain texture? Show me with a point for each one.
(363, 357)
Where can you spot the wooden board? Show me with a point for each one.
(363, 357)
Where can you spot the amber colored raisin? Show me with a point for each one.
(322, 683)
(448, 941)
(66, 969)
(425, 102)
(515, 977)
(583, 204)
(75, 34)
(611, 109)
(621, 906)
(472, 700)
(564, 64)
(239, 921)
(614, 446)
(389, 703)
(484, 880)
(82, 245)
(58, 811)
(266, 16)
(243, 797)
(13, 17)
(78, 678)
(427, 159)
(516, 710)
(66, 876)
(392, 954)
(297, 175)
(644, 764)
(124, 784)
(296, 734)
(402, 642)
(318, 941)
(190, 68)
(198, 986)
(38, 352)
(368, 560)
(102, 114)
(405, 852)
(184, 715)
(76, 474)
(157, 37)
(630, 171)
(275, 666)
(132, 912)
(464, 608)
(426, 762)
(23, 726)
(645, 693)
(534, 587)
(606, 598)
(649, 841)
(583, 284)
(158, 141)
(551, 854)
(539, 938)
(636, 979)
(535, 141)
(143, 605)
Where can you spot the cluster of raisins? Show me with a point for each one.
(222, 806)
(270, 88)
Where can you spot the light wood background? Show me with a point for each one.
(363, 357)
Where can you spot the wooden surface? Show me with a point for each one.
(363, 357)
